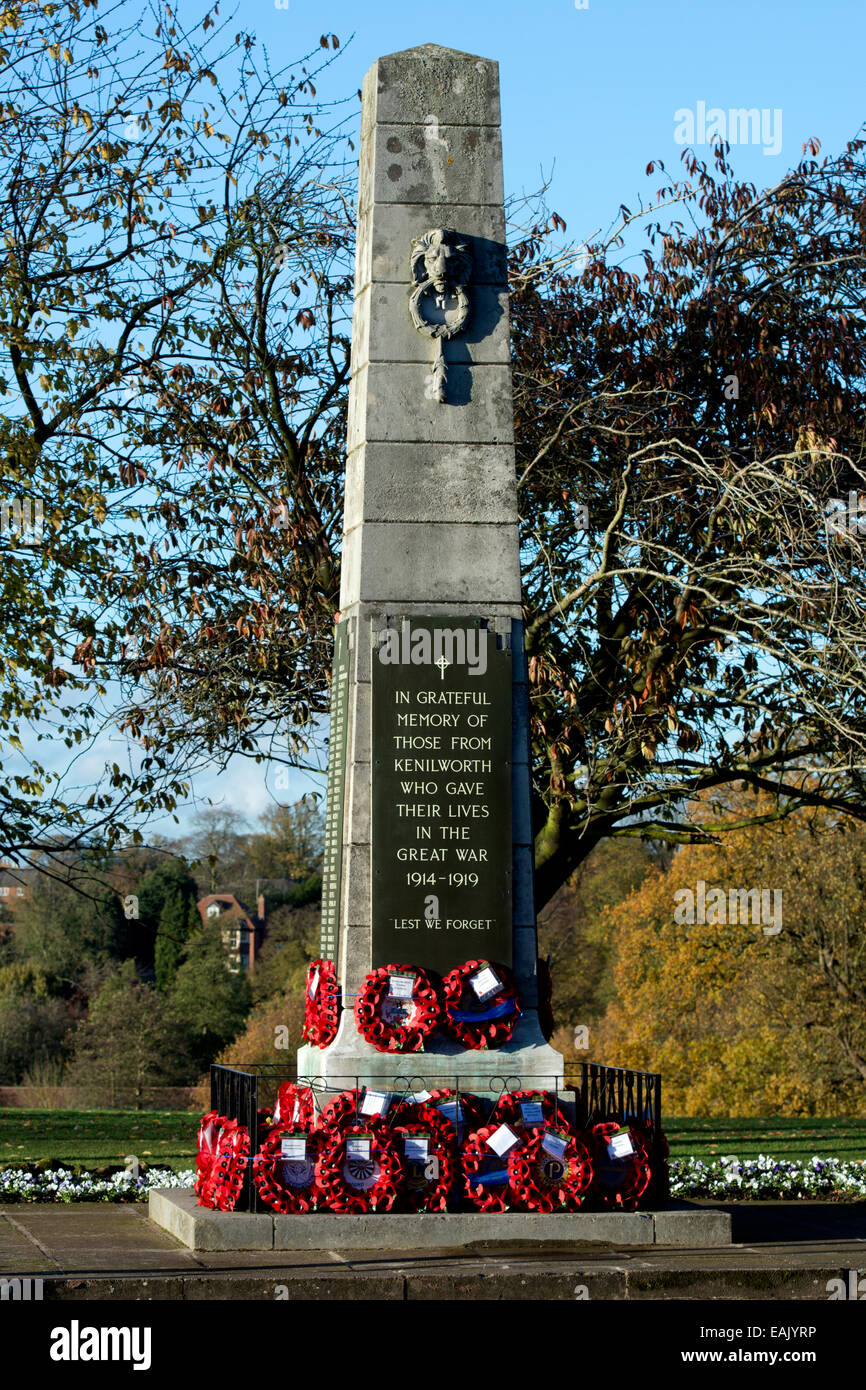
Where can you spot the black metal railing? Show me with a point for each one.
(601, 1093)
(621, 1094)
(234, 1093)
(630, 1098)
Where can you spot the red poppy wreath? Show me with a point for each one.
(530, 1110)
(284, 1172)
(428, 1161)
(551, 1171)
(396, 1008)
(486, 1179)
(622, 1167)
(455, 1113)
(358, 1171)
(321, 1003)
(341, 1112)
(208, 1134)
(295, 1106)
(223, 1187)
(482, 1004)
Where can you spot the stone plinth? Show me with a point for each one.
(430, 532)
(200, 1229)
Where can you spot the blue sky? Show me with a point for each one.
(593, 92)
(589, 96)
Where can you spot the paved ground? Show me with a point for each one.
(781, 1250)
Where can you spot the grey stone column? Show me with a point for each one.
(431, 521)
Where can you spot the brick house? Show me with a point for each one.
(242, 931)
(15, 885)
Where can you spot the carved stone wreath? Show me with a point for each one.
(439, 304)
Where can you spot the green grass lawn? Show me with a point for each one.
(708, 1139)
(167, 1138)
(161, 1138)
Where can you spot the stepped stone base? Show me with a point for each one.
(527, 1058)
(202, 1229)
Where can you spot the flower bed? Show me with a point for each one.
(754, 1179)
(63, 1185)
(764, 1177)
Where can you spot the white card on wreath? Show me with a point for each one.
(294, 1146)
(531, 1112)
(620, 1145)
(375, 1102)
(358, 1146)
(554, 1144)
(485, 981)
(416, 1146)
(401, 986)
(502, 1140)
(452, 1111)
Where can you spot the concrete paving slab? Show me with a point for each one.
(203, 1230)
(291, 1287)
(433, 1230)
(99, 1290)
(782, 1285)
(150, 1264)
(89, 1238)
(199, 1228)
(487, 1286)
(18, 1253)
(692, 1228)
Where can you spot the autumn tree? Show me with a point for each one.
(694, 616)
(217, 846)
(689, 418)
(137, 170)
(290, 944)
(290, 841)
(576, 937)
(273, 1034)
(693, 611)
(743, 1018)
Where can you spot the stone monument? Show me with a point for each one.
(429, 855)
(429, 847)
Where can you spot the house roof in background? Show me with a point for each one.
(233, 907)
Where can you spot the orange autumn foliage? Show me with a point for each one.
(740, 1019)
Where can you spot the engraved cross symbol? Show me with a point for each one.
(442, 663)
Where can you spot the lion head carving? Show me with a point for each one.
(441, 258)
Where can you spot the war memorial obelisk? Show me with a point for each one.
(429, 856)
